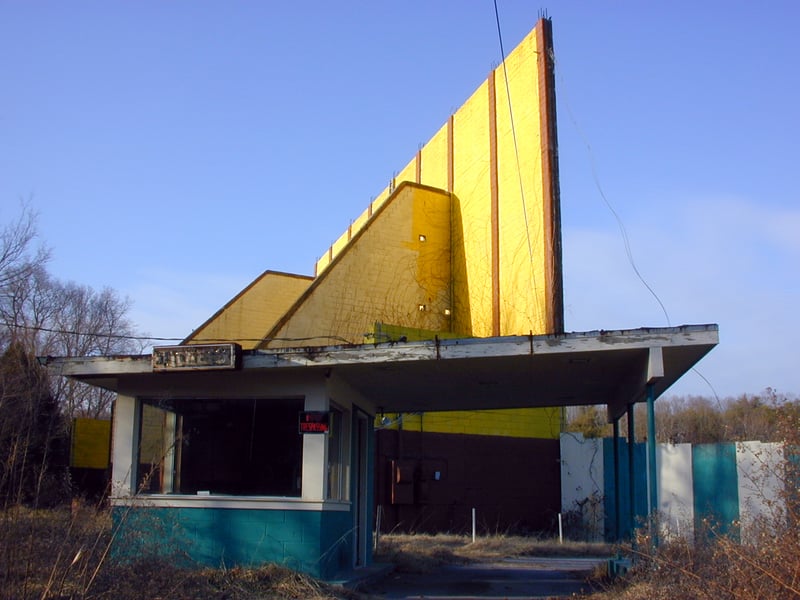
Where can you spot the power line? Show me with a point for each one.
(620, 224)
(145, 338)
(118, 336)
(516, 145)
(623, 231)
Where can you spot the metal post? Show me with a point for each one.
(631, 473)
(473, 526)
(617, 507)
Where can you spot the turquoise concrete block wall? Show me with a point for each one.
(314, 542)
(716, 491)
(336, 543)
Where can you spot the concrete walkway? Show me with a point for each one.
(517, 578)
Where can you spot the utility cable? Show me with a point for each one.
(146, 338)
(612, 210)
(516, 145)
(621, 226)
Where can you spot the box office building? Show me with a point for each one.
(254, 440)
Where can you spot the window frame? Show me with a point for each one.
(168, 447)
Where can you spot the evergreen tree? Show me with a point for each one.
(33, 442)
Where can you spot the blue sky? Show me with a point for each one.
(175, 150)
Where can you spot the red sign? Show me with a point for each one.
(314, 422)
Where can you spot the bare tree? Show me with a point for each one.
(89, 323)
(50, 317)
(19, 261)
(17, 257)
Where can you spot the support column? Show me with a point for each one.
(617, 487)
(631, 472)
(655, 371)
(651, 449)
(652, 473)
(124, 446)
(315, 450)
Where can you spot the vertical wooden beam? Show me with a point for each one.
(495, 204)
(550, 185)
(418, 166)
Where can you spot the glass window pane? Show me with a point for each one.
(239, 447)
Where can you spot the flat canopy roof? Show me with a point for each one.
(597, 367)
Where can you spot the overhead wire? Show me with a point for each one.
(621, 225)
(516, 144)
(146, 338)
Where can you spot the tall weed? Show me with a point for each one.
(760, 560)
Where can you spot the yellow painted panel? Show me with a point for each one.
(322, 263)
(341, 242)
(522, 301)
(396, 269)
(360, 222)
(380, 199)
(472, 238)
(325, 260)
(523, 252)
(91, 442)
(408, 173)
(434, 160)
(543, 423)
(250, 315)
(385, 332)
(382, 271)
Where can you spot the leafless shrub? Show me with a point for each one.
(761, 560)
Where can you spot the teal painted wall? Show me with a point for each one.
(716, 496)
(314, 542)
(716, 490)
(713, 493)
(355, 467)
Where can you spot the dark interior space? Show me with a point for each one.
(242, 447)
(430, 482)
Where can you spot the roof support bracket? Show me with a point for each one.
(655, 364)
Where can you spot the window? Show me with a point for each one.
(240, 447)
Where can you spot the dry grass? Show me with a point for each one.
(719, 568)
(158, 579)
(762, 560)
(422, 553)
(60, 554)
